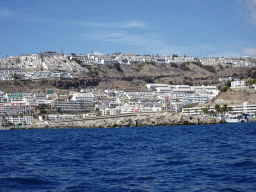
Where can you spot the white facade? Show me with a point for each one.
(25, 120)
(13, 108)
(83, 97)
(238, 84)
(237, 109)
(73, 105)
(1, 96)
(224, 80)
(151, 86)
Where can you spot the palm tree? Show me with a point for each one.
(224, 109)
(230, 109)
(205, 110)
(249, 82)
(217, 108)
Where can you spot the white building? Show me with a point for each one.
(237, 109)
(25, 120)
(225, 80)
(238, 84)
(152, 86)
(89, 97)
(13, 108)
(1, 96)
(73, 105)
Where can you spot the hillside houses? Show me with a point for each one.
(53, 61)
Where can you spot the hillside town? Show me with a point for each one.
(46, 105)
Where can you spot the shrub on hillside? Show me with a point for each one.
(184, 67)
(118, 68)
(224, 89)
(129, 78)
(148, 79)
(207, 67)
(174, 65)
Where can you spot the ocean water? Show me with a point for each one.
(168, 158)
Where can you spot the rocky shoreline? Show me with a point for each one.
(157, 119)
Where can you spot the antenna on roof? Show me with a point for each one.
(61, 50)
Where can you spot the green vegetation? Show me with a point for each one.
(188, 106)
(251, 82)
(150, 62)
(184, 67)
(88, 67)
(207, 67)
(217, 108)
(224, 109)
(76, 60)
(118, 68)
(43, 111)
(98, 113)
(15, 76)
(109, 66)
(188, 78)
(220, 66)
(251, 73)
(228, 83)
(96, 73)
(206, 110)
(148, 79)
(185, 82)
(174, 65)
(224, 89)
(230, 109)
(129, 78)
(138, 66)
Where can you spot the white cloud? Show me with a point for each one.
(97, 53)
(109, 35)
(249, 52)
(227, 54)
(131, 24)
(135, 24)
(250, 10)
(153, 43)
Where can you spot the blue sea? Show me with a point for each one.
(166, 158)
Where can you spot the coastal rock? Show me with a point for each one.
(195, 121)
(134, 121)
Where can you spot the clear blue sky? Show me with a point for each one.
(192, 27)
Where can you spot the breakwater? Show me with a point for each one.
(134, 120)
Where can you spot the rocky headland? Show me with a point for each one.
(138, 120)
